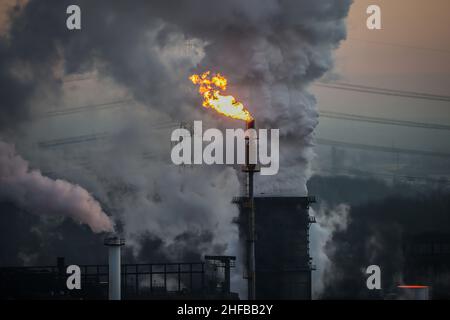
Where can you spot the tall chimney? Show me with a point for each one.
(250, 168)
(114, 243)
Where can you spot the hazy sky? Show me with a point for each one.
(411, 52)
(386, 58)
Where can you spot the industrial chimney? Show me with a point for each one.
(114, 243)
(250, 168)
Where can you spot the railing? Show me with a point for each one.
(137, 279)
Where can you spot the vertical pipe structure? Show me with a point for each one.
(114, 265)
(61, 269)
(227, 276)
(250, 168)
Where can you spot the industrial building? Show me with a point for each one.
(427, 262)
(282, 259)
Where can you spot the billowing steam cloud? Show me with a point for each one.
(329, 221)
(30, 190)
(270, 49)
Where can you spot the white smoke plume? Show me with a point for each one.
(329, 220)
(271, 50)
(30, 190)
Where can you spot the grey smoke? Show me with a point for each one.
(375, 234)
(32, 191)
(271, 50)
(376, 225)
(329, 221)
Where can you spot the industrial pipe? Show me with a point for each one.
(114, 265)
(251, 236)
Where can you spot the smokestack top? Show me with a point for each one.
(114, 240)
(250, 124)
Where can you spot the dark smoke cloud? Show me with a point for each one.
(116, 37)
(374, 235)
(277, 42)
(35, 240)
(334, 190)
(338, 198)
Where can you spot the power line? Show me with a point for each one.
(382, 91)
(361, 88)
(412, 93)
(72, 140)
(69, 80)
(404, 123)
(401, 45)
(91, 107)
(329, 142)
(102, 106)
(358, 172)
(97, 136)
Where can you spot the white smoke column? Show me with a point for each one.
(272, 51)
(30, 190)
(328, 222)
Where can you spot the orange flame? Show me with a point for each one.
(212, 88)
